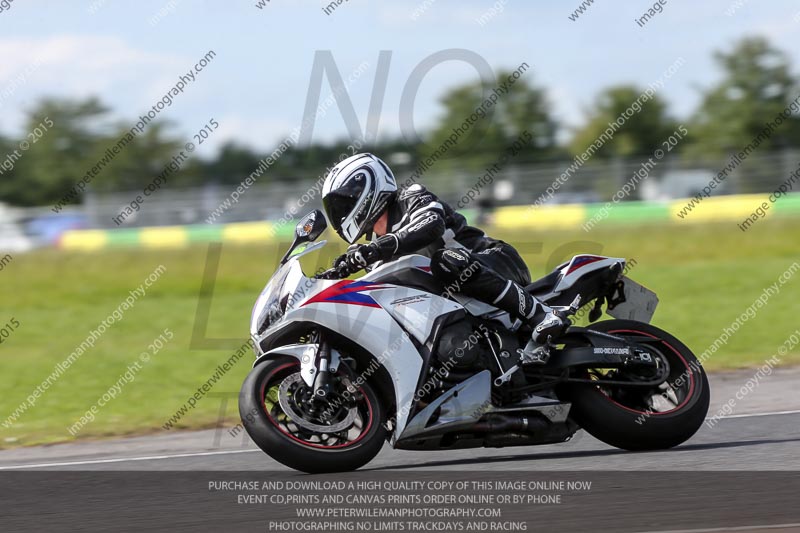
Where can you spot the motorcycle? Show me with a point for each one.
(344, 365)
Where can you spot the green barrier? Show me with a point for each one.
(628, 212)
(204, 233)
(122, 237)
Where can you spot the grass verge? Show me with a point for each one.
(706, 277)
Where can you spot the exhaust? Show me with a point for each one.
(509, 424)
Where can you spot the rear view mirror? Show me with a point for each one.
(308, 229)
(310, 226)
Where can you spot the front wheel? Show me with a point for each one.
(340, 432)
(636, 418)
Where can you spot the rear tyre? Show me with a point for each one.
(275, 386)
(638, 419)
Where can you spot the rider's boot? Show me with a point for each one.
(550, 327)
(546, 322)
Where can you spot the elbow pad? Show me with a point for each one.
(420, 232)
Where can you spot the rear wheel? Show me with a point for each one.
(638, 418)
(339, 433)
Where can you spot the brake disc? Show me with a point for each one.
(285, 400)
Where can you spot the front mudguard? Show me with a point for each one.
(385, 354)
(310, 364)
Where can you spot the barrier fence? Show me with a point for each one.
(733, 208)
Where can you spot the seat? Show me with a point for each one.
(545, 284)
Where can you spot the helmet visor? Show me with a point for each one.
(346, 201)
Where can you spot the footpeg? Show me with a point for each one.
(534, 354)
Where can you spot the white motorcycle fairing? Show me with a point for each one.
(462, 406)
(380, 317)
(396, 325)
(343, 365)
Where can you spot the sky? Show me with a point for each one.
(130, 53)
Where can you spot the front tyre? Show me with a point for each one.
(637, 418)
(281, 415)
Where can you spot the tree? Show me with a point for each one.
(642, 132)
(757, 84)
(140, 160)
(523, 108)
(12, 189)
(57, 159)
(231, 166)
(67, 139)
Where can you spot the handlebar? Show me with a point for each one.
(342, 271)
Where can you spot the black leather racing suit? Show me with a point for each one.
(463, 258)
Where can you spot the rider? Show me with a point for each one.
(360, 197)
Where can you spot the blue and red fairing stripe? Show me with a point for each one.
(583, 260)
(347, 292)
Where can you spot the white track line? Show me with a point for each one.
(795, 412)
(126, 459)
(230, 452)
(722, 529)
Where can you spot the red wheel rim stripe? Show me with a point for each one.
(309, 444)
(686, 365)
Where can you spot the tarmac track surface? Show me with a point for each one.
(744, 472)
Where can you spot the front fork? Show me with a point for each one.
(319, 366)
(322, 383)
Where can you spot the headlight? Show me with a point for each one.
(274, 311)
(269, 307)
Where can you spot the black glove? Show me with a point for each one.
(340, 266)
(358, 257)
